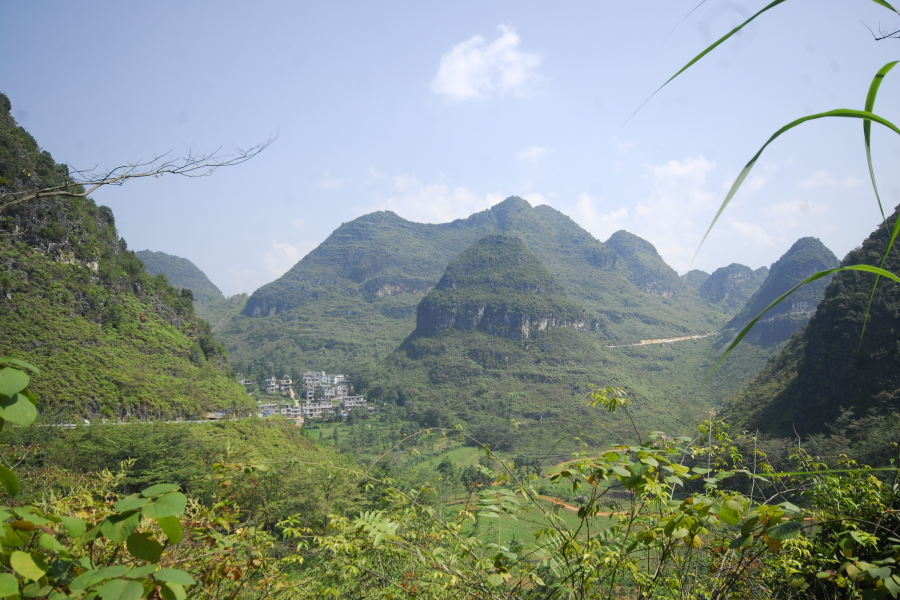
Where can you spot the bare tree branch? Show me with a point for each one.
(882, 33)
(189, 165)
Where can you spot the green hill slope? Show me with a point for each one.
(730, 287)
(498, 339)
(497, 286)
(353, 299)
(824, 368)
(112, 339)
(807, 256)
(695, 278)
(209, 302)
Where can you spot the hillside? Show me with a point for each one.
(824, 368)
(111, 339)
(807, 256)
(209, 302)
(498, 339)
(353, 299)
(497, 286)
(695, 278)
(730, 287)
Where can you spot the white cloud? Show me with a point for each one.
(243, 281)
(588, 214)
(798, 207)
(330, 183)
(531, 154)
(433, 202)
(473, 69)
(281, 257)
(824, 178)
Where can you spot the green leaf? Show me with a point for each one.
(159, 489)
(785, 531)
(75, 527)
(9, 480)
(116, 528)
(811, 278)
(48, 542)
(142, 546)
(89, 578)
(9, 585)
(740, 542)
(171, 526)
(173, 591)
(130, 503)
(119, 589)
(170, 505)
(18, 409)
(12, 381)
(749, 524)
(867, 125)
(21, 364)
(495, 579)
(141, 572)
(729, 515)
(23, 564)
(89, 536)
(174, 576)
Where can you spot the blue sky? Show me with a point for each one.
(438, 110)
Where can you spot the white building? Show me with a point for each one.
(314, 409)
(351, 402)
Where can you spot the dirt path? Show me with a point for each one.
(664, 340)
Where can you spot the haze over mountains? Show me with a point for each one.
(513, 302)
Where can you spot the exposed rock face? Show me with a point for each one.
(499, 287)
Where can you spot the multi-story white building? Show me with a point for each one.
(272, 386)
(316, 408)
(351, 402)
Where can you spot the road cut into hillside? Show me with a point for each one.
(664, 340)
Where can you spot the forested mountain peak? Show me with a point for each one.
(826, 369)
(500, 287)
(181, 273)
(731, 286)
(805, 257)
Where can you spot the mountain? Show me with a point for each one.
(181, 273)
(354, 298)
(695, 278)
(643, 265)
(825, 369)
(730, 287)
(498, 339)
(209, 301)
(110, 339)
(497, 286)
(807, 256)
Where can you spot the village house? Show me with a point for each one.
(314, 409)
(351, 402)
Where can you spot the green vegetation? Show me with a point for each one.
(209, 302)
(730, 287)
(824, 369)
(807, 256)
(75, 301)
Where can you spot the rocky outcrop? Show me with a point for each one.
(498, 287)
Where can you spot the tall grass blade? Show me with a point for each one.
(693, 10)
(704, 53)
(867, 125)
(840, 112)
(867, 133)
(719, 42)
(811, 278)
